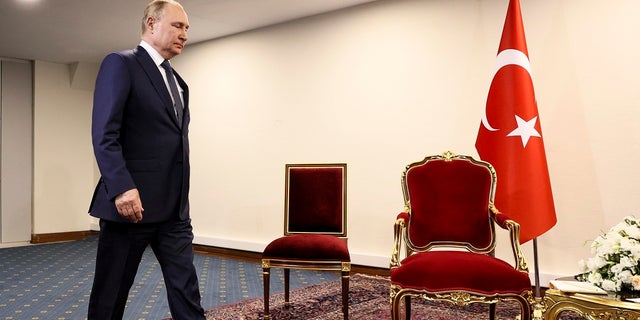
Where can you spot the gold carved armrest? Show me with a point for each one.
(398, 235)
(504, 222)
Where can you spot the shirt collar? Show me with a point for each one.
(157, 58)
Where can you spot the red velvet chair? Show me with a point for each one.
(447, 228)
(315, 227)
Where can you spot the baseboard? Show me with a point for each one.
(61, 236)
(252, 251)
(257, 257)
(240, 245)
(363, 263)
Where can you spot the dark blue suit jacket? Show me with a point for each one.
(137, 141)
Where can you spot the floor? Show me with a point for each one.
(53, 281)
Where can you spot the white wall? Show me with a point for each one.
(63, 160)
(387, 83)
(378, 87)
(16, 101)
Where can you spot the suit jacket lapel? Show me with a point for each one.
(185, 97)
(157, 81)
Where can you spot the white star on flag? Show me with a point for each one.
(524, 191)
(525, 130)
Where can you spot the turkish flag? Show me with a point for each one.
(510, 135)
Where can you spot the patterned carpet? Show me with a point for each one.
(368, 300)
(53, 281)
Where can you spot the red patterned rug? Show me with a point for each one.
(368, 300)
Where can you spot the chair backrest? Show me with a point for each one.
(448, 197)
(316, 199)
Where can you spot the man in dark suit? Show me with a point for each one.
(140, 138)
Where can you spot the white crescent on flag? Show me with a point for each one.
(504, 58)
(524, 192)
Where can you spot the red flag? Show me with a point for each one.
(510, 135)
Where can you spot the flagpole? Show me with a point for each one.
(536, 271)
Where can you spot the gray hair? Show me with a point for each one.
(155, 10)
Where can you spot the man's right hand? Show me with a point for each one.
(129, 205)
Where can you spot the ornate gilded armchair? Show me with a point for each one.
(447, 236)
(315, 227)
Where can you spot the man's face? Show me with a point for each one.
(168, 35)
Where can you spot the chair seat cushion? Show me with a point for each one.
(308, 247)
(438, 271)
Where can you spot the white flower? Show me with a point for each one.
(633, 232)
(627, 262)
(596, 262)
(595, 278)
(615, 264)
(626, 276)
(616, 268)
(609, 285)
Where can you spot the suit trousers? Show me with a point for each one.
(120, 249)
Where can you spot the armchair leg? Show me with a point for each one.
(492, 311)
(345, 294)
(266, 274)
(395, 304)
(530, 311)
(287, 272)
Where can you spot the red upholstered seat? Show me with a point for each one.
(446, 235)
(456, 270)
(315, 228)
(308, 247)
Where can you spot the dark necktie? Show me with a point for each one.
(177, 101)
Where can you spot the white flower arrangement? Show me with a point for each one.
(615, 265)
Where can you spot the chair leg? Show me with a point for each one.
(266, 274)
(345, 294)
(492, 311)
(527, 310)
(395, 303)
(287, 272)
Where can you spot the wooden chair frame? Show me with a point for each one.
(343, 267)
(402, 242)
